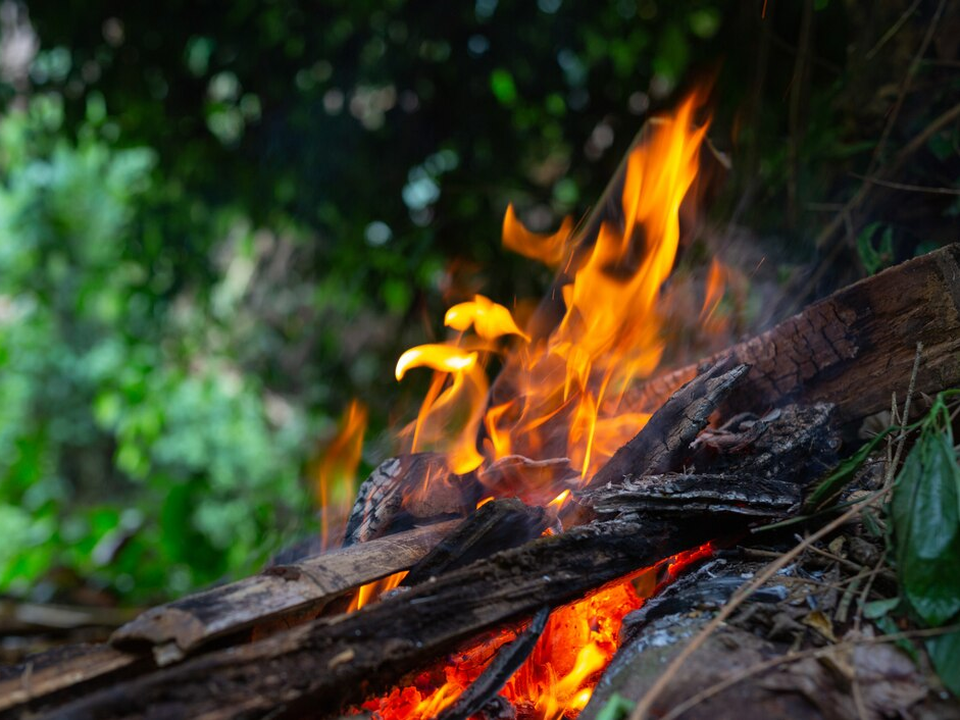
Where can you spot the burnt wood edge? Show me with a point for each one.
(662, 442)
(495, 526)
(697, 494)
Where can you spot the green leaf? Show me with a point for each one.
(926, 528)
(879, 608)
(875, 257)
(617, 708)
(945, 653)
(831, 486)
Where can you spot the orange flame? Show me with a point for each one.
(609, 334)
(370, 592)
(489, 319)
(336, 472)
(548, 249)
(562, 396)
(565, 391)
(716, 285)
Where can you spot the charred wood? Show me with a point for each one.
(795, 443)
(406, 490)
(330, 662)
(59, 673)
(662, 443)
(497, 525)
(690, 495)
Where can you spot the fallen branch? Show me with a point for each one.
(285, 593)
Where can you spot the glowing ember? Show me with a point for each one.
(558, 678)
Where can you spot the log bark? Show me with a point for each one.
(286, 592)
(689, 495)
(320, 666)
(49, 676)
(853, 348)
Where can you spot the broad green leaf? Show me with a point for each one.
(945, 653)
(926, 528)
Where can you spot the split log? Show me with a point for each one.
(666, 437)
(750, 466)
(290, 593)
(795, 443)
(852, 349)
(330, 662)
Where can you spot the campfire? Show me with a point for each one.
(556, 477)
(556, 413)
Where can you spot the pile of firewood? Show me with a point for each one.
(782, 408)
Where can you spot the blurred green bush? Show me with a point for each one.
(134, 454)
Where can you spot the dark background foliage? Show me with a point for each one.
(222, 220)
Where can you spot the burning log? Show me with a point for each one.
(495, 526)
(413, 488)
(663, 441)
(853, 349)
(751, 466)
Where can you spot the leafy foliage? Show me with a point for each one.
(199, 476)
(925, 521)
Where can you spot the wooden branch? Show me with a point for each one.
(853, 349)
(330, 662)
(45, 678)
(661, 444)
(689, 495)
(286, 592)
(497, 525)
